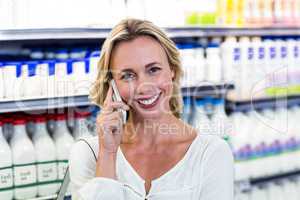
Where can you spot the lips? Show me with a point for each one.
(150, 102)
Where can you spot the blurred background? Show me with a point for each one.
(241, 62)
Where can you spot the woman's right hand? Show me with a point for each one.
(109, 123)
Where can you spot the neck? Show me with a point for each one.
(150, 131)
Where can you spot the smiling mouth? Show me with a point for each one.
(149, 101)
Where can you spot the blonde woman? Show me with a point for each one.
(154, 155)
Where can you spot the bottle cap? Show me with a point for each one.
(82, 114)
(19, 122)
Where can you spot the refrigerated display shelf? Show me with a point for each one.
(178, 32)
(260, 104)
(77, 101)
(218, 90)
(43, 104)
(52, 197)
(246, 185)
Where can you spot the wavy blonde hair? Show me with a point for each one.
(127, 30)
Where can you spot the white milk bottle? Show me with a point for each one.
(63, 142)
(219, 121)
(46, 159)
(200, 119)
(32, 87)
(259, 193)
(213, 64)
(81, 129)
(230, 48)
(200, 64)
(11, 71)
(187, 109)
(80, 79)
(275, 191)
(46, 77)
(241, 145)
(63, 81)
(245, 75)
(93, 63)
(1, 82)
(290, 189)
(23, 154)
(6, 173)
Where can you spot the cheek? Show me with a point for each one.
(127, 93)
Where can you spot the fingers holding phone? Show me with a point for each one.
(110, 122)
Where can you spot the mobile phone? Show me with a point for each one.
(117, 97)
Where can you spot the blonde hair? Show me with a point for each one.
(127, 30)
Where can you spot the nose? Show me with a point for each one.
(145, 85)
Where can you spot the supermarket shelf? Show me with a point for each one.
(246, 185)
(42, 104)
(100, 33)
(75, 101)
(275, 177)
(218, 90)
(52, 197)
(44, 198)
(265, 103)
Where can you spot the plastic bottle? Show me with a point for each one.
(31, 80)
(290, 189)
(93, 63)
(81, 129)
(259, 193)
(200, 70)
(220, 123)
(200, 119)
(24, 159)
(247, 67)
(46, 69)
(230, 58)
(37, 54)
(62, 54)
(188, 63)
(213, 64)
(11, 71)
(1, 83)
(63, 142)
(45, 151)
(6, 172)
(187, 110)
(79, 76)
(78, 53)
(241, 145)
(275, 191)
(63, 78)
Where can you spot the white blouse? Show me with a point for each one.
(206, 172)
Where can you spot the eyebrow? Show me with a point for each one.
(146, 66)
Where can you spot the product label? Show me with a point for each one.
(250, 53)
(283, 52)
(25, 175)
(296, 52)
(6, 178)
(236, 54)
(261, 53)
(272, 52)
(62, 168)
(47, 171)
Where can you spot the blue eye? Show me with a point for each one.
(127, 76)
(154, 69)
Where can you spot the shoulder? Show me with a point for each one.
(85, 146)
(211, 147)
(83, 156)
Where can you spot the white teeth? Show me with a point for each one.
(149, 101)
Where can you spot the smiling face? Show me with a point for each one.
(143, 76)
